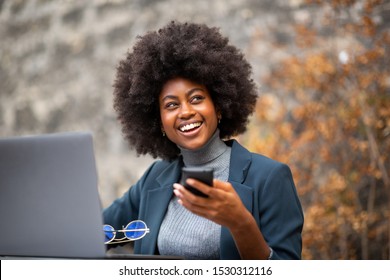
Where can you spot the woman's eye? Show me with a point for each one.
(197, 99)
(170, 105)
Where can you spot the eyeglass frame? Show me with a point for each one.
(124, 230)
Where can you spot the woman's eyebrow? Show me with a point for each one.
(191, 91)
(169, 97)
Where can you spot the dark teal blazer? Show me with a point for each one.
(265, 187)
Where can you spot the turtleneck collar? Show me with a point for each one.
(214, 148)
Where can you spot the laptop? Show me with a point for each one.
(49, 201)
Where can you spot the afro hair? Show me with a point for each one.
(192, 51)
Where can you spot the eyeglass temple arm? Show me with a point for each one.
(129, 230)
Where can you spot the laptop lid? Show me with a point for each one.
(49, 202)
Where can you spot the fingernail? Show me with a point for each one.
(177, 193)
(190, 181)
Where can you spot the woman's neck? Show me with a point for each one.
(213, 149)
(214, 154)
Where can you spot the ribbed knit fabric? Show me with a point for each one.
(183, 233)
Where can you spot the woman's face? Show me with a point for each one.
(187, 112)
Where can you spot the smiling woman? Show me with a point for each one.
(180, 94)
(188, 115)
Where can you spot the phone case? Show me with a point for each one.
(204, 175)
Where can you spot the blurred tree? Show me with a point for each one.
(328, 117)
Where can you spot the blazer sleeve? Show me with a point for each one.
(281, 215)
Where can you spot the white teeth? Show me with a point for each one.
(190, 126)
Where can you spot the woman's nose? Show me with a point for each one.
(186, 111)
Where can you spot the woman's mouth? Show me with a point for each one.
(190, 127)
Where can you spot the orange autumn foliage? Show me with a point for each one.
(326, 112)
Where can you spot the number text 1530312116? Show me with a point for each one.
(232, 270)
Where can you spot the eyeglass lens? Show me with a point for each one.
(139, 228)
(109, 233)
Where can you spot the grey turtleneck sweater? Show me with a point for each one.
(183, 233)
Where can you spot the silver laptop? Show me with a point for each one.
(49, 202)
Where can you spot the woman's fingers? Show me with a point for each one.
(222, 206)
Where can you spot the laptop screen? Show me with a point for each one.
(49, 201)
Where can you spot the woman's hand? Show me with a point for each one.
(222, 206)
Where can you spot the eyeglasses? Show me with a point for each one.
(133, 231)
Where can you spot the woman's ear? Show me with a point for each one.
(219, 116)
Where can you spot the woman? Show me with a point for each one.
(180, 95)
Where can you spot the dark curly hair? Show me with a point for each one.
(192, 51)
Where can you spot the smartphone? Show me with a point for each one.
(204, 175)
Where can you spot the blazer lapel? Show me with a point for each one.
(157, 203)
(239, 164)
